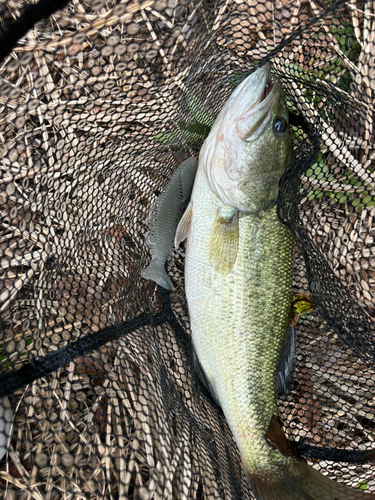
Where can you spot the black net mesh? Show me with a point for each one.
(100, 102)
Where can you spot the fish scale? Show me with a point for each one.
(236, 317)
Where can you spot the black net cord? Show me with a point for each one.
(15, 379)
(43, 366)
(323, 283)
(31, 15)
(44, 8)
(352, 456)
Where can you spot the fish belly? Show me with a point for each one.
(239, 320)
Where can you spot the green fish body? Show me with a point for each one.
(238, 275)
(239, 320)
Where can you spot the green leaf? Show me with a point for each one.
(194, 132)
(168, 138)
(201, 129)
(367, 199)
(198, 110)
(237, 75)
(343, 199)
(354, 51)
(362, 485)
(302, 309)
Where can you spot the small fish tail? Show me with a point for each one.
(156, 272)
(301, 482)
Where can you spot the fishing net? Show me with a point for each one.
(100, 102)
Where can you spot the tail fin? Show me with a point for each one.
(156, 272)
(301, 482)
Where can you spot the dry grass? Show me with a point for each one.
(103, 427)
(345, 236)
(79, 107)
(62, 191)
(332, 403)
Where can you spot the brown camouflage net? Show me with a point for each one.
(100, 102)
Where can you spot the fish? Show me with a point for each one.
(238, 277)
(163, 219)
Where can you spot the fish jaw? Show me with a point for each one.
(242, 157)
(247, 96)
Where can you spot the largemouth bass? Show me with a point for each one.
(238, 275)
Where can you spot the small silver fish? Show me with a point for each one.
(164, 217)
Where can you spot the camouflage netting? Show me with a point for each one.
(100, 102)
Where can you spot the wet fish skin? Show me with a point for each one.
(239, 321)
(240, 306)
(163, 220)
(242, 157)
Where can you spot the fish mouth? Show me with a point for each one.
(254, 120)
(268, 88)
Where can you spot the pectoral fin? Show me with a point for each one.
(223, 241)
(183, 227)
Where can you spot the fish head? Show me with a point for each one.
(251, 144)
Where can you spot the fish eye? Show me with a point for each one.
(280, 126)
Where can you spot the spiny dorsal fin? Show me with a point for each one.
(183, 228)
(223, 240)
